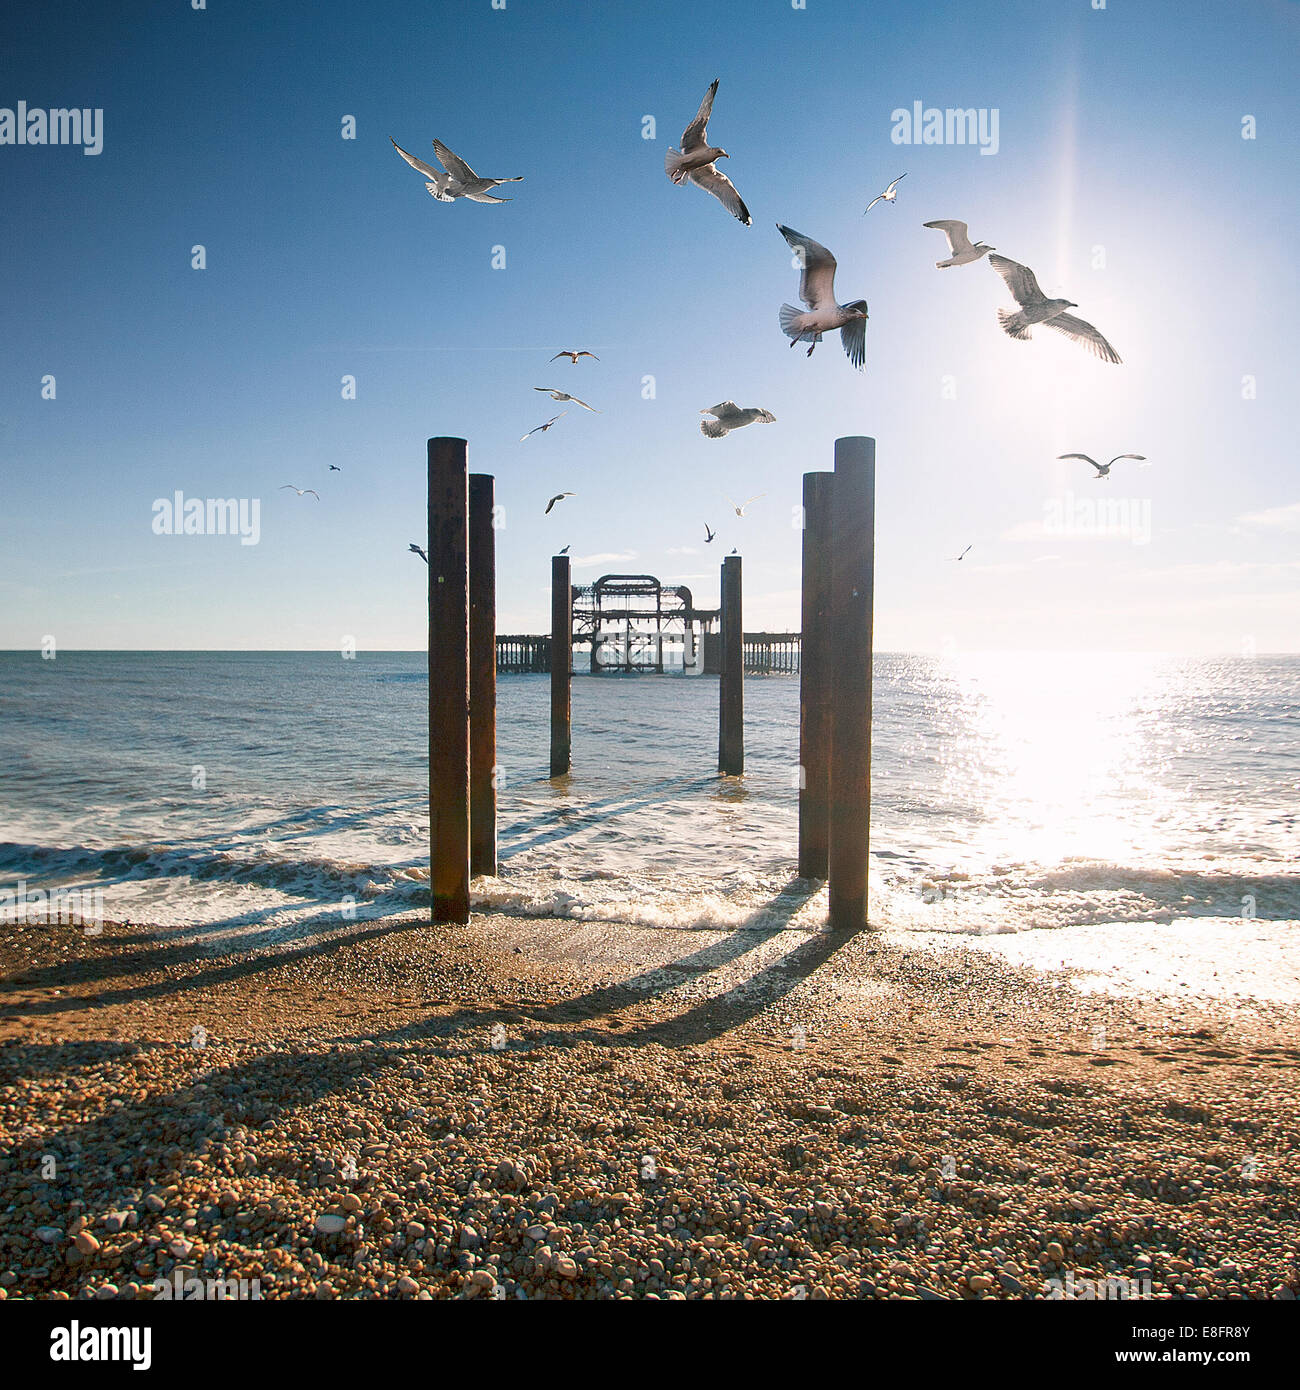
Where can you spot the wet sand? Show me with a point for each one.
(532, 1108)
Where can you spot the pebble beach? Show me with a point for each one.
(550, 1109)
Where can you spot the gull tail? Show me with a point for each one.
(673, 162)
(712, 429)
(1014, 325)
(788, 315)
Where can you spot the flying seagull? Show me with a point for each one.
(817, 290)
(695, 159)
(708, 534)
(301, 491)
(740, 510)
(543, 428)
(564, 396)
(418, 550)
(962, 556)
(559, 497)
(959, 244)
(1103, 469)
(574, 355)
(457, 180)
(887, 196)
(1035, 307)
(730, 416)
(565, 551)
(334, 468)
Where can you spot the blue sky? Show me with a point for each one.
(1121, 177)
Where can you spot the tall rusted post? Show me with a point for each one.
(482, 676)
(561, 660)
(853, 548)
(731, 683)
(448, 551)
(815, 677)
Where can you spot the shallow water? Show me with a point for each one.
(1107, 798)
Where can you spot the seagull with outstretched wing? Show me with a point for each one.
(729, 416)
(574, 355)
(888, 196)
(708, 534)
(418, 550)
(961, 252)
(541, 429)
(962, 556)
(457, 180)
(301, 491)
(1103, 469)
(559, 497)
(817, 290)
(557, 395)
(695, 161)
(1035, 307)
(740, 510)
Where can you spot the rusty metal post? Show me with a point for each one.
(482, 676)
(731, 682)
(448, 551)
(853, 545)
(561, 661)
(815, 677)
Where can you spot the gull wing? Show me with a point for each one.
(817, 282)
(1141, 457)
(486, 198)
(1084, 457)
(853, 338)
(723, 410)
(895, 183)
(426, 169)
(1085, 333)
(955, 231)
(1019, 279)
(455, 165)
(693, 137)
(576, 401)
(712, 180)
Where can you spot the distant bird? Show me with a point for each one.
(959, 244)
(734, 551)
(740, 510)
(730, 416)
(708, 534)
(962, 556)
(458, 180)
(1035, 307)
(418, 550)
(817, 290)
(569, 352)
(695, 162)
(543, 428)
(1103, 469)
(887, 196)
(565, 551)
(559, 497)
(301, 491)
(334, 468)
(564, 396)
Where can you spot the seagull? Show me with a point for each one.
(565, 551)
(730, 417)
(458, 180)
(959, 244)
(887, 196)
(559, 497)
(418, 550)
(1103, 469)
(708, 534)
(301, 491)
(543, 428)
(740, 510)
(1035, 307)
(817, 290)
(564, 396)
(334, 468)
(695, 162)
(569, 352)
(962, 556)
(734, 551)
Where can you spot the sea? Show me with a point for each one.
(1129, 821)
